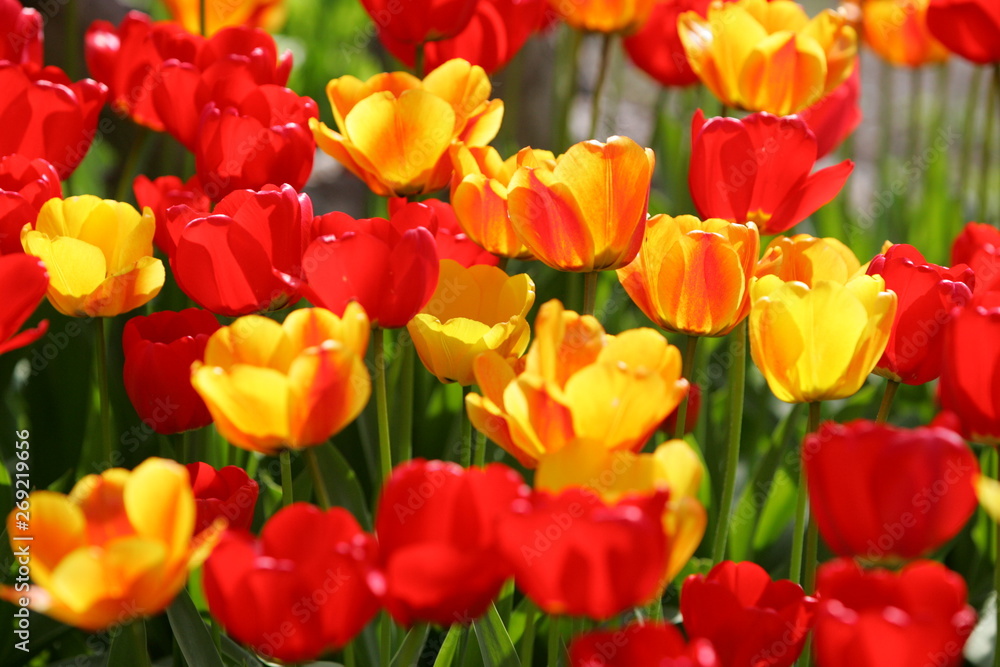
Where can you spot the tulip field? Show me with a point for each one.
(500, 333)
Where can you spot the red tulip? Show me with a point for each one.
(389, 266)
(878, 618)
(163, 193)
(48, 116)
(23, 30)
(758, 170)
(910, 491)
(836, 116)
(656, 47)
(228, 493)
(25, 185)
(127, 60)
(574, 555)
(263, 139)
(451, 241)
(927, 294)
(970, 28)
(978, 245)
(307, 586)
(229, 262)
(437, 529)
(641, 645)
(751, 620)
(25, 281)
(159, 350)
(970, 370)
(419, 21)
(497, 31)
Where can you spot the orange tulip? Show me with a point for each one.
(268, 14)
(897, 31)
(693, 276)
(608, 16)
(588, 212)
(808, 259)
(577, 382)
(395, 130)
(479, 195)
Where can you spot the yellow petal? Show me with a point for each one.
(249, 404)
(127, 291)
(788, 57)
(328, 388)
(252, 340)
(57, 526)
(160, 505)
(75, 268)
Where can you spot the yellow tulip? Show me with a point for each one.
(612, 475)
(818, 342)
(768, 56)
(693, 276)
(395, 130)
(576, 382)
(118, 546)
(271, 386)
(479, 195)
(99, 254)
(472, 310)
(268, 14)
(808, 259)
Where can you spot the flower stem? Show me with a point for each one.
(602, 75)
(131, 161)
(385, 640)
(419, 57)
(382, 405)
(553, 649)
(202, 20)
(403, 435)
(102, 383)
(802, 502)
(890, 393)
(319, 484)
(971, 106)
(987, 146)
(737, 385)
(690, 352)
(479, 458)
(528, 638)
(286, 477)
(465, 455)
(589, 292)
(565, 101)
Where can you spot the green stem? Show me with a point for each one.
(986, 153)
(479, 458)
(589, 292)
(349, 658)
(404, 445)
(131, 161)
(319, 484)
(971, 107)
(565, 101)
(413, 643)
(286, 477)
(890, 393)
(138, 630)
(802, 502)
(737, 386)
(385, 640)
(528, 638)
(202, 20)
(465, 455)
(382, 405)
(102, 382)
(812, 550)
(690, 352)
(602, 75)
(419, 57)
(554, 641)
(916, 115)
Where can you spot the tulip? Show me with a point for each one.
(23, 27)
(222, 13)
(808, 259)
(308, 585)
(880, 618)
(576, 382)
(25, 185)
(743, 49)
(656, 46)
(836, 116)
(264, 139)
(228, 493)
(99, 254)
(271, 386)
(161, 194)
(621, 16)
(969, 28)
(911, 490)
(978, 245)
(159, 350)
(750, 619)
(118, 546)
(127, 59)
(389, 266)
(692, 276)
(492, 37)
(227, 261)
(758, 170)
(437, 526)
(48, 116)
(415, 23)
(926, 294)
(588, 212)
(472, 310)
(819, 342)
(897, 31)
(395, 130)
(573, 554)
(674, 466)
(970, 366)
(451, 240)
(479, 195)
(26, 281)
(641, 644)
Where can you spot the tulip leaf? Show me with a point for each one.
(192, 634)
(413, 644)
(494, 642)
(778, 510)
(342, 483)
(449, 649)
(128, 647)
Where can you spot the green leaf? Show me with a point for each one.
(128, 648)
(409, 653)
(449, 649)
(191, 633)
(778, 510)
(494, 642)
(342, 483)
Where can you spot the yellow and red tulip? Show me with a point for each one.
(808, 259)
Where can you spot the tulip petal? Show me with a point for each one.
(250, 405)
